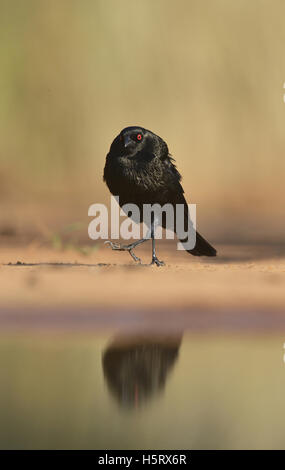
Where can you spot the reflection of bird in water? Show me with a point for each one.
(136, 367)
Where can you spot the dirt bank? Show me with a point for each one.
(244, 277)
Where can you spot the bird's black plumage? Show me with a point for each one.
(140, 170)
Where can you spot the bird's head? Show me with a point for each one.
(133, 141)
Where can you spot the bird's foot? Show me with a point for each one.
(157, 262)
(129, 248)
(114, 246)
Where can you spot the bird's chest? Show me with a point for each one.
(133, 179)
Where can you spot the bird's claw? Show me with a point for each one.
(157, 262)
(114, 246)
(135, 258)
(129, 248)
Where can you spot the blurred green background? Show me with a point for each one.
(206, 76)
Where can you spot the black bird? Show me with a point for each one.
(140, 170)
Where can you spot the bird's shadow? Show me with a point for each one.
(72, 265)
(55, 264)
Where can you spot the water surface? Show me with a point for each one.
(188, 389)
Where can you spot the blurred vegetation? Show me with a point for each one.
(70, 239)
(207, 76)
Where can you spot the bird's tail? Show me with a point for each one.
(202, 247)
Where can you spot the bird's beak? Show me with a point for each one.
(127, 140)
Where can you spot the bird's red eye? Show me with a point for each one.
(139, 137)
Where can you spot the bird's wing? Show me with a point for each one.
(175, 195)
(172, 179)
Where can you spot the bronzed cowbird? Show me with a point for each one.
(140, 170)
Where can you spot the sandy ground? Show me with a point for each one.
(240, 278)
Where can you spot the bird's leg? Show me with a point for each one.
(129, 248)
(154, 259)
